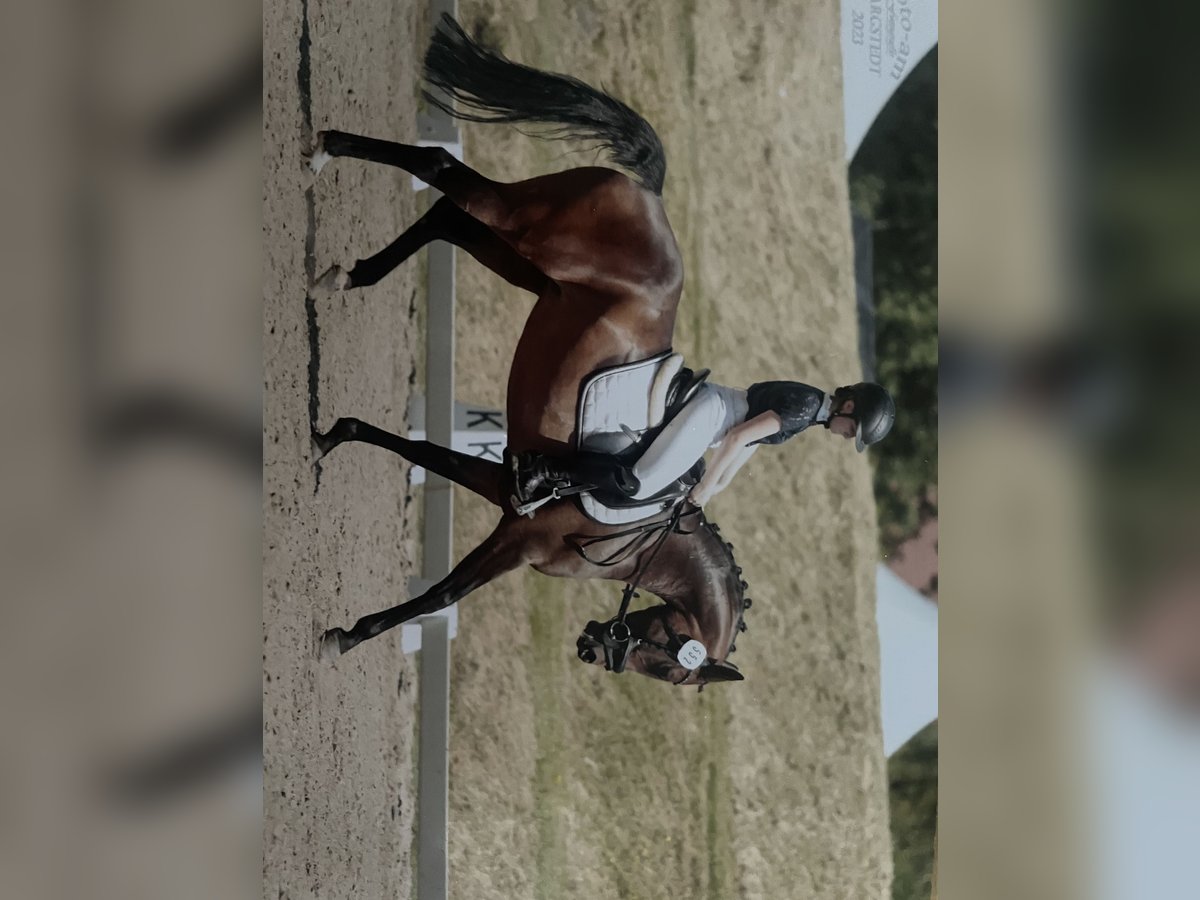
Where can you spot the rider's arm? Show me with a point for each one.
(733, 452)
(736, 463)
(761, 426)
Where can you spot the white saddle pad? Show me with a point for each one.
(611, 401)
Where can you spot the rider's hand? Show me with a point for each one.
(698, 497)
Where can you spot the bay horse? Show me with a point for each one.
(594, 246)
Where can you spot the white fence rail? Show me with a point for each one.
(432, 634)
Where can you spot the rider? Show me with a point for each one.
(735, 422)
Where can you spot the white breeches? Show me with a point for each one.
(705, 420)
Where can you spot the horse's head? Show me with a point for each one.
(686, 640)
(654, 642)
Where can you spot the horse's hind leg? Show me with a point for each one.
(447, 222)
(504, 550)
(479, 196)
(482, 476)
(590, 226)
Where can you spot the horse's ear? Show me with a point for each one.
(718, 672)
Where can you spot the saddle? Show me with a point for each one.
(621, 409)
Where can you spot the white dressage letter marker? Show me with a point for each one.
(692, 655)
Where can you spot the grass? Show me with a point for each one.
(720, 804)
(550, 798)
(913, 778)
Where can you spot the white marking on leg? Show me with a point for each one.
(331, 647)
(334, 279)
(317, 161)
(318, 452)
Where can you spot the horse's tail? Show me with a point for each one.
(491, 88)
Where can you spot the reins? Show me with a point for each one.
(643, 535)
(616, 638)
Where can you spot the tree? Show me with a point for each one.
(893, 183)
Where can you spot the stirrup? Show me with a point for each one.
(517, 480)
(515, 467)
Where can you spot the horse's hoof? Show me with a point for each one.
(334, 279)
(320, 446)
(316, 158)
(332, 644)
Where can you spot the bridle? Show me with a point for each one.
(617, 640)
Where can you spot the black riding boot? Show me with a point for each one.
(595, 471)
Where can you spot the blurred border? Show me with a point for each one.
(1070, 627)
(130, 502)
(1013, 562)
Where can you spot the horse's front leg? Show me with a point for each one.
(507, 548)
(486, 478)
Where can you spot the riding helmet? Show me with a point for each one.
(874, 411)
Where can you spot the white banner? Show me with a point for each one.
(882, 40)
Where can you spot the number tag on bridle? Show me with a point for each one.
(692, 655)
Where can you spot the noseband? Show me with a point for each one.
(617, 642)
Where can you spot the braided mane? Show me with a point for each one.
(715, 531)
